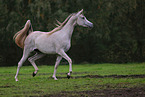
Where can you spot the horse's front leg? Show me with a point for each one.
(56, 65)
(65, 56)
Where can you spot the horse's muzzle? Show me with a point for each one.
(90, 25)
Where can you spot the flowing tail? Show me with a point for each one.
(20, 36)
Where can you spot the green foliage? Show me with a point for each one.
(117, 36)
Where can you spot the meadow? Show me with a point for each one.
(91, 80)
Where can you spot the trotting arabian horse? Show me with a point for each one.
(57, 41)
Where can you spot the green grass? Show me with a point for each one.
(43, 84)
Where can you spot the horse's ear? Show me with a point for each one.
(79, 13)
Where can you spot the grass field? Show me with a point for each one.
(105, 80)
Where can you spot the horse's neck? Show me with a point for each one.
(68, 28)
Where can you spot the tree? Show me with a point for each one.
(117, 36)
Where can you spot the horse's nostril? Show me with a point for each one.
(91, 25)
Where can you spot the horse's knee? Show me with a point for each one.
(30, 60)
(19, 64)
(70, 61)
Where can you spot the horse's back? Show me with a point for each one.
(41, 41)
(30, 40)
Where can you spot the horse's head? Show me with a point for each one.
(82, 20)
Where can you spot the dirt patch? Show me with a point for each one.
(106, 76)
(131, 92)
(117, 76)
(6, 86)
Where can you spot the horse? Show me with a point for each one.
(57, 41)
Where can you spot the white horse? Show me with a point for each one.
(57, 41)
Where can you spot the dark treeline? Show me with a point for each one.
(118, 35)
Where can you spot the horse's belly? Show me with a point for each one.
(46, 49)
(45, 46)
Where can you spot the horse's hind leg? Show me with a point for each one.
(33, 59)
(23, 59)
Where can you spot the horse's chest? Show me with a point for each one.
(65, 45)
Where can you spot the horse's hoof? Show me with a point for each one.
(68, 76)
(33, 74)
(54, 78)
(17, 80)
